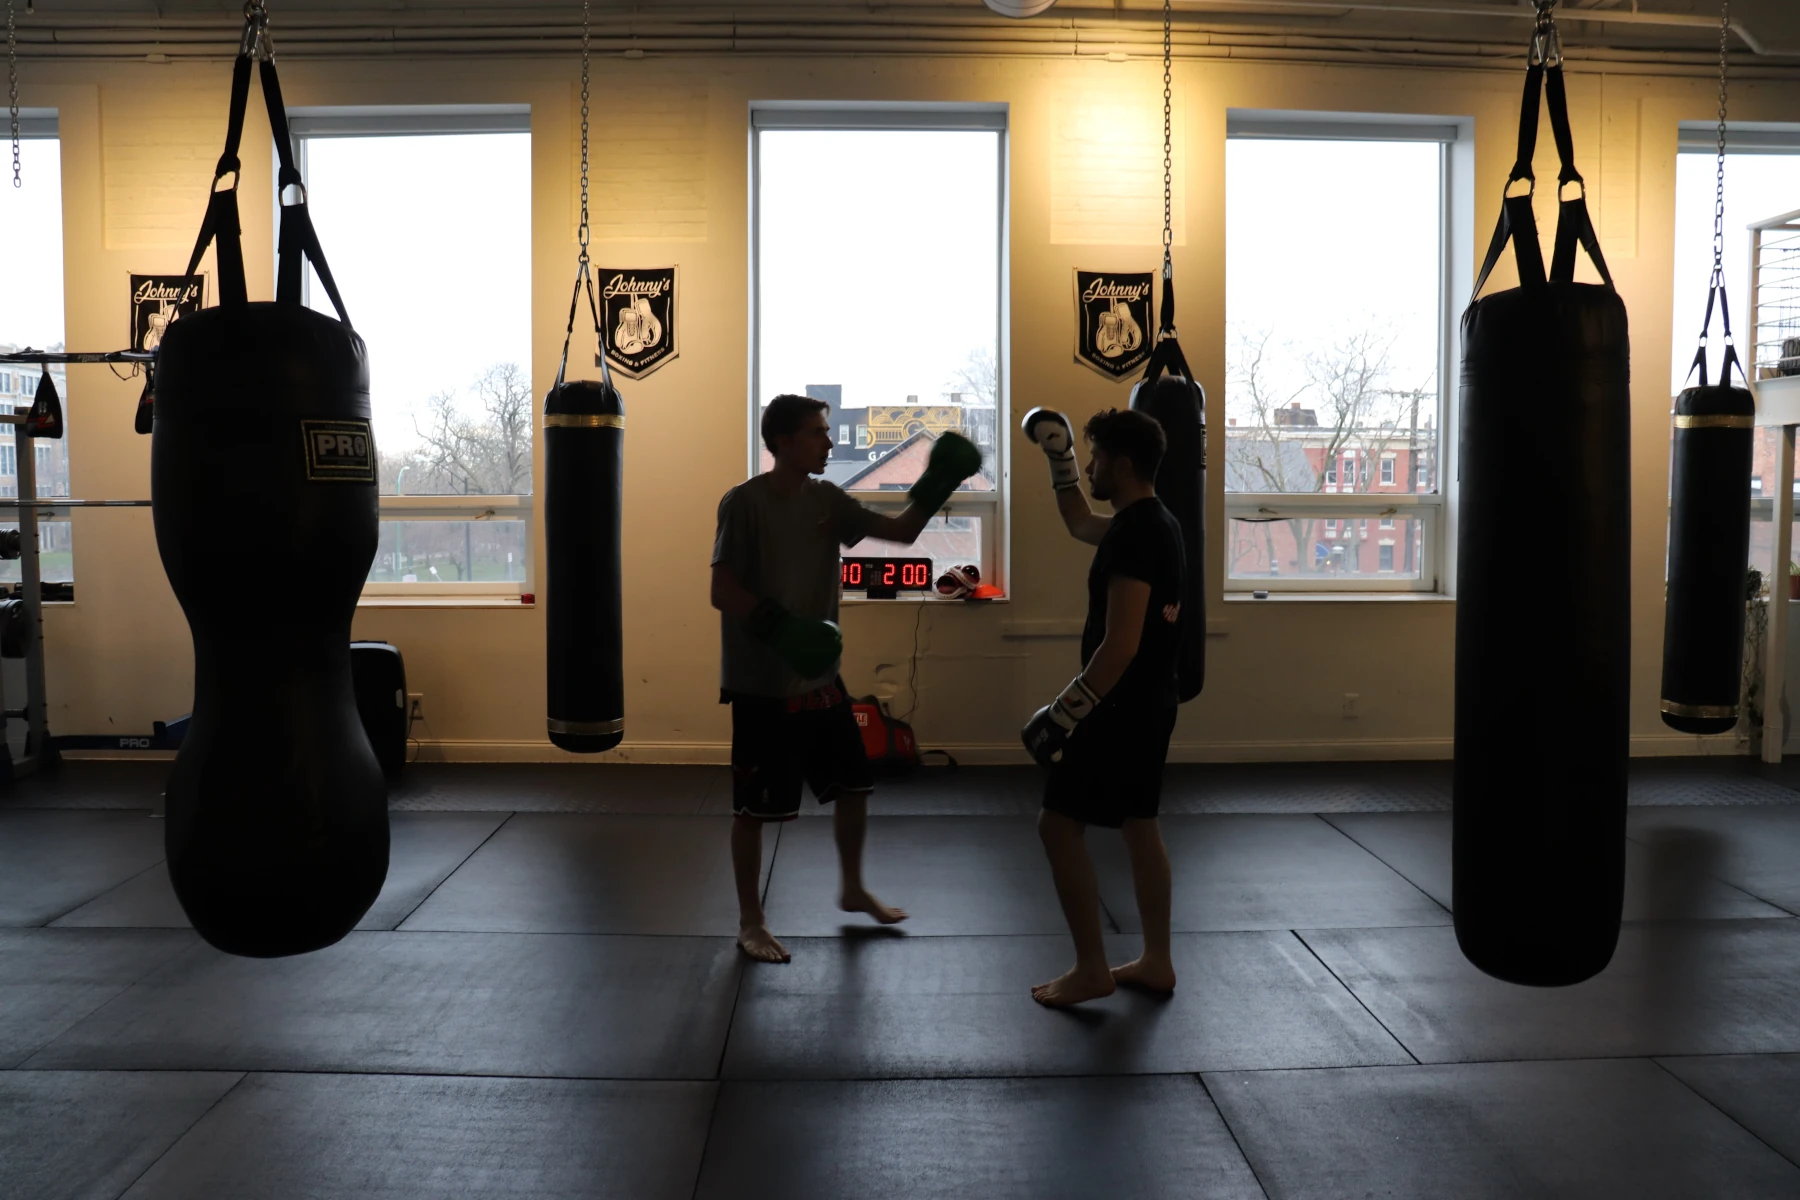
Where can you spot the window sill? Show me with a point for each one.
(1341, 598)
(923, 598)
(443, 602)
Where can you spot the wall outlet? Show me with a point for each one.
(1352, 706)
(415, 707)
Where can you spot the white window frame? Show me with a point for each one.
(991, 507)
(1341, 500)
(404, 120)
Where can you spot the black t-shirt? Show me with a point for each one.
(1143, 542)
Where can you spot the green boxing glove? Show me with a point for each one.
(810, 647)
(953, 459)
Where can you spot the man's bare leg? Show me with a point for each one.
(1076, 887)
(1155, 970)
(754, 937)
(849, 822)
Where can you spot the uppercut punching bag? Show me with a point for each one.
(584, 466)
(1709, 544)
(262, 464)
(1169, 392)
(1542, 625)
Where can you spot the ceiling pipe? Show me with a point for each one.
(1525, 11)
(793, 29)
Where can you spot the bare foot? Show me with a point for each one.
(1154, 977)
(760, 944)
(1073, 988)
(862, 902)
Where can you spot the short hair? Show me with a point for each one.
(785, 414)
(1132, 435)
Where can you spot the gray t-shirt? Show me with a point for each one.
(782, 548)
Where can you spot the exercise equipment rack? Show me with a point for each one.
(41, 749)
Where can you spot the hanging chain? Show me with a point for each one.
(584, 134)
(1718, 271)
(12, 88)
(1168, 230)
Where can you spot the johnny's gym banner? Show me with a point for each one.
(1112, 315)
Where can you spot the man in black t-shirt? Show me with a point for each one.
(1106, 738)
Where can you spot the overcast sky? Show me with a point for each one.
(1757, 187)
(31, 300)
(1330, 238)
(879, 260)
(429, 239)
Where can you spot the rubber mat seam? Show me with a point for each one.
(1359, 1000)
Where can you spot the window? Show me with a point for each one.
(908, 333)
(31, 314)
(1762, 180)
(442, 293)
(1334, 358)
(1387, 556)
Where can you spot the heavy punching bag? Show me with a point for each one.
(1709, 545)
(1169, 393)
(584, 464)
(1543, 629)
(1709, 516)
(262, 459)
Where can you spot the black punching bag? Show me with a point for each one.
(1709, 546)
(584, 467)
(1543, 622)
(1169, 392)
(584, 462)
(262, 463)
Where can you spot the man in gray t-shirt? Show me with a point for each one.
(775, 582)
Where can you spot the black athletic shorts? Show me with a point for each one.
(1111, 770)
(776, 743)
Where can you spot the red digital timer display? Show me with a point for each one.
(884, 574)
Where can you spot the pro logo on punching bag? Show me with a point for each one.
(339, 450)
(276, 832)
(1112, 312)
(637, 314)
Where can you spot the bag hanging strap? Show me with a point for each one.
(1518, 220)
(583, 272)
(1166, 355)
(1715, 286)
(1574, 224)
(298, 240)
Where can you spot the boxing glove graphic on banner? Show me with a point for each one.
(638, 329)
(1119, 332)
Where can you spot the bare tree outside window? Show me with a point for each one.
(449, 341)
(1332, 387)
(1321, 430)
(478, 447)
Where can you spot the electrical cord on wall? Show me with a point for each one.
(912, 666)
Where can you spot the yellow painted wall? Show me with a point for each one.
(138, 144)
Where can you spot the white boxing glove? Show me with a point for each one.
(1053, 433)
